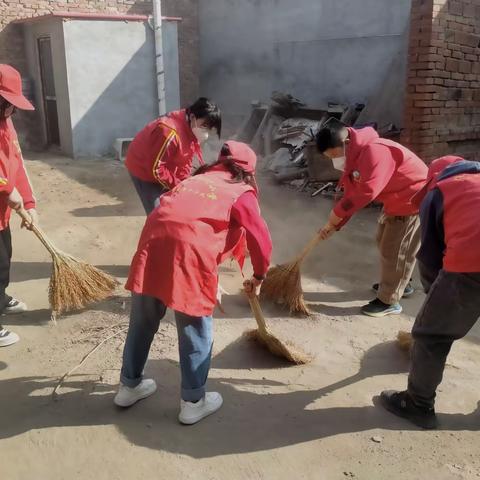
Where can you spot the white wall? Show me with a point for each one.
(112, 80)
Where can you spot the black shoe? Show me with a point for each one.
(376, 308)
(408, 292)
(400, 404)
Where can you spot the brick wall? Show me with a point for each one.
(442, 111)
(12, 45)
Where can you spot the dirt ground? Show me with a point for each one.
(278, 422)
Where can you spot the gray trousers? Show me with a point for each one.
(149, 193)
(450, 310)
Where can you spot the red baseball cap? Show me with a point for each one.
(241, 155)
(11, 88)
(434, 170)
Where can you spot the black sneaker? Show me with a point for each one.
(409, 290)
(376, 308)
(401, 405)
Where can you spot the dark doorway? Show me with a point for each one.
(48, 89)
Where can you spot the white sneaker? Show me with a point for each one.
(127, 396)
(7, 338)
(15, 306)
(191, 413)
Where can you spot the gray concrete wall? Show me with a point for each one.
(52, 28)
(317, 50)
(112, 81)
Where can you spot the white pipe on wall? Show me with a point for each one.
(157, 19)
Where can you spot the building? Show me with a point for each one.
(14, 49)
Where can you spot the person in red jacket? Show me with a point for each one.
(205, 219)
(161, 155)
(387, 172)
(449, 261)
(15, 189)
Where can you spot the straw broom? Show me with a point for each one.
(73, 284)
(404, 340)
(265, 338)
(283, 284)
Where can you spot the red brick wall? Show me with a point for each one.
(12, 44)
(442, 111)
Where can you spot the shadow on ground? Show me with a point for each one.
(273, 419)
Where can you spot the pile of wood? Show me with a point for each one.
(283, 133)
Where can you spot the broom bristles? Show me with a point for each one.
(75, 284)
(283, 285)
(404, 340)
(278, 348)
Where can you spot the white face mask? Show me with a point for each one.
(339, 163)
(202, 134)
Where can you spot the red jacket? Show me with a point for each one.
(12, 172)
(163, 151)
(197, 225)
(461, 222)
(381, 170)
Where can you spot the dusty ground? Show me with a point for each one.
(278, 422)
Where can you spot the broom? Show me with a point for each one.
(270, 341)
(404, 340)
(73, 284)
(283, 283)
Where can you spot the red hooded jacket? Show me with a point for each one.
(381, 170)
(198, 225)
(12, 172)
(163, 151)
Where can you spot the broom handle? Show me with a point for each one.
(42, 237)
(309, 247)
(257, 311)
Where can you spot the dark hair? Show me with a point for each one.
(206, 110)
(239, 175)
(331, 135)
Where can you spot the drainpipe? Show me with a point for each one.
(157, 19)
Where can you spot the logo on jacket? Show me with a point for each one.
(356, 177)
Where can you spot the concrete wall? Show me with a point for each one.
(52, 28)
(317, 50)
(112, 80)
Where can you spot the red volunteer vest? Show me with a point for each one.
(183, 242)
(461, 222)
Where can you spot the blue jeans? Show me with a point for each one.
(194, 344)
(149, 193)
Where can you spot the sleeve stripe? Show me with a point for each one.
(3, 181)
(161, 153)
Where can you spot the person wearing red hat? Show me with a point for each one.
(15, 189)
(205, 219)
(378, 169)
(449, 261)
(161, 155)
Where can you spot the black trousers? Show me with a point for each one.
(5, 259)
(450, 310)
